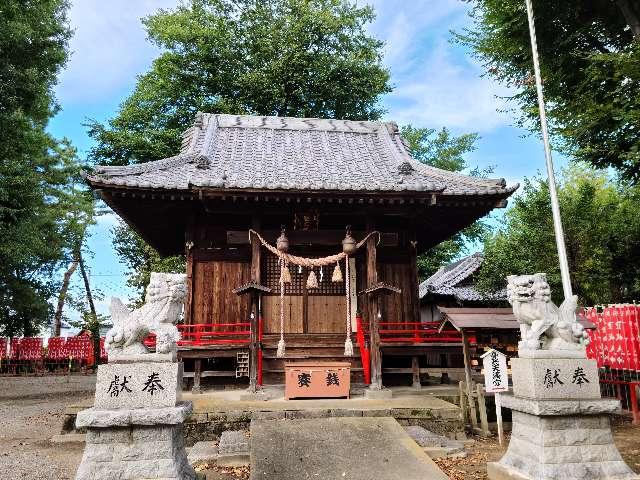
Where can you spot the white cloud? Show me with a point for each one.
(108, 47)
(447, 90)
(403, 25)
(435, 82)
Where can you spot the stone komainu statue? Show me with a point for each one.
(544, 326)
(159, 314)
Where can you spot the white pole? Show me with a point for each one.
(499, 417)
(555, 208)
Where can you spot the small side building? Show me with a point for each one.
(450, 299)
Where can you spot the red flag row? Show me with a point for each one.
(615, 343)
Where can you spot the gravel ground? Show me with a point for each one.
(32, 409)
(31, 412)
(474, 466)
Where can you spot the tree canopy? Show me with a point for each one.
(602, 235)
(590, 65)
(40, 211)
(279, 57)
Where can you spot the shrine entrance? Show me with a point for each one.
(319, 310)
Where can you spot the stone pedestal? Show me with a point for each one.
(560, 426)
(135, 429)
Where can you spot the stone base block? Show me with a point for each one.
(561, 447)
(134, 453)
(497, 471)
(384, 394)
(555, 378)
(138, 385)
(257, 396)
(203, 452)
(135, 444)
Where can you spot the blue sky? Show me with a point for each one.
(436, 83)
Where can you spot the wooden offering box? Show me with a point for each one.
(317, 379)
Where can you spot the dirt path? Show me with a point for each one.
(31, 412)
(32, 409)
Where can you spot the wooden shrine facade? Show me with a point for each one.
(314, 177)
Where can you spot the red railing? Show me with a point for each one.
(416, 332)
(203, 334)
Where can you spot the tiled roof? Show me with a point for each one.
(241, 152)
(454, 280)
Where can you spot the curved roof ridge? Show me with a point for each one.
(445, 175)
(153, 165)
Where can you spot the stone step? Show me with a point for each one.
(334, 448)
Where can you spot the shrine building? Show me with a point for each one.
(298, 233)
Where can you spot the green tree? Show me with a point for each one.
(589, 55)
(443, 150)
(38, 209)
(277, 57)
(602, 235)
(142, 259)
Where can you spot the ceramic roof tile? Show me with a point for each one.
(237, 152)
(454, 280)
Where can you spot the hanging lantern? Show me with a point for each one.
(337, 274)
(349, 243)
(312, 281)
(282, 244)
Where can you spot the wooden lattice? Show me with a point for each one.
(271, 279)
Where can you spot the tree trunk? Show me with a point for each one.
(95, 332)
(631, 15)
(57, 319)
(87, 288)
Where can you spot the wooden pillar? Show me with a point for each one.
(373, 311)
(414, 284)
(468, 378)
(188, 302)
(415, 370)
(197, 372)
(253, 308)
(255, 252)
(482, 407)
(415, 302)
(305, 303)
(253, 345)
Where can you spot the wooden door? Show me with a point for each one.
(213, 299)
(321, 310)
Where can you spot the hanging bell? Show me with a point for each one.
(349, 243)
(312, 281)
(285, 274)
(337, 274)
(282, 244)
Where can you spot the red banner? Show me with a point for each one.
(615, 343)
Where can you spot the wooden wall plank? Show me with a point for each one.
(292, 314)
(399, 307)
(327, 314)
(213, 298)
